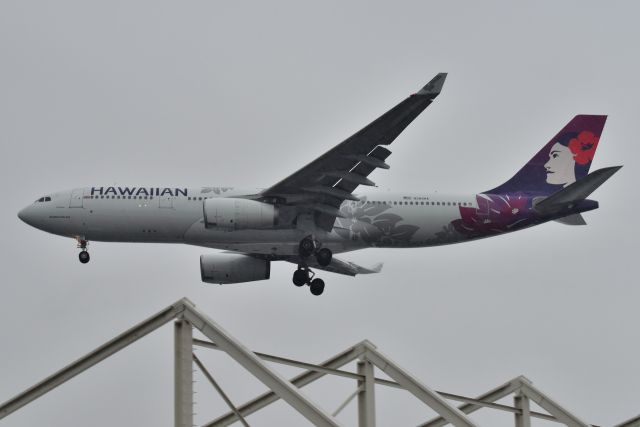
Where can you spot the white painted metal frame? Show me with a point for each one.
(633, 422)
(368, 358)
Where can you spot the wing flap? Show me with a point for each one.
(338, 266)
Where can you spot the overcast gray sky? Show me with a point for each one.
(242, 94)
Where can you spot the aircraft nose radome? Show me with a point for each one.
(25, 216)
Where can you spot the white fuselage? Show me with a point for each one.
(161, 215)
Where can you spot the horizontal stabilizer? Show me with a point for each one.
(574, 219)
(575, 192)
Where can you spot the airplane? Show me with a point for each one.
(315, 213)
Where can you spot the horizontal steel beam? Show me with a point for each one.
(289, 362)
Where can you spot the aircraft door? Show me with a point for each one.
(165, 201)
(76, 198)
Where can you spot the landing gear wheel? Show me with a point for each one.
(323, 256)
(84, 257)
(300, 277)
(307, 247)
(317, 286)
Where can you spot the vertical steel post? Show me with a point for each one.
(366, 396)
(183, 374)
(521, 402)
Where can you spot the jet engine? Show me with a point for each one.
(238, 214)
(223, 268)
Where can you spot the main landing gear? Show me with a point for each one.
(303, 275)
(83, 256)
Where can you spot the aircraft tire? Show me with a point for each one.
(306, 247)
(317, 286)
(300, 277)
(323, 256)
(84, 257)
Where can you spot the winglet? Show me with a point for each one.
(434, 87)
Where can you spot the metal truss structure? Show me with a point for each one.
(367, 356)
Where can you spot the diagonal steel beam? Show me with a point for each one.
(633, 422)
(490, 396)
(482, 402)
(419, 390)
(96, 356)
(252, 363)
(300, 380)
(544, 401)
(219, 389)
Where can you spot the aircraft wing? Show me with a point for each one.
(321, 186)
(337, 266)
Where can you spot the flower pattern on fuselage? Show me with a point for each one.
(495, 214)
(369, 222)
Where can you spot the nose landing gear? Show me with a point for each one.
(83, 256)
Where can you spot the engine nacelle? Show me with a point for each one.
(223, 268)
(238, 214)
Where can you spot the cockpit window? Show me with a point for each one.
(44, 199)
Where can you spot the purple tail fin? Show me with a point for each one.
(562, 161)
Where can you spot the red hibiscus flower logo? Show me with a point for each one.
(584, 147)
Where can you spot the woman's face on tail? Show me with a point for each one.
(561, 166)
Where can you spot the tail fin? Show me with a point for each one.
(564, 160)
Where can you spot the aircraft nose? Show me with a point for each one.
(26, 215)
